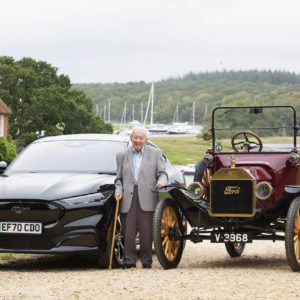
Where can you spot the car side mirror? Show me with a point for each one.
(3, 166)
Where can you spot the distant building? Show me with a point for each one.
(4, 114)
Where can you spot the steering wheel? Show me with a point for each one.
(244, 139)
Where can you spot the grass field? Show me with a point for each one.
(182, 150)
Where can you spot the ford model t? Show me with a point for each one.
(246, 187)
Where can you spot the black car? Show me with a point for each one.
(57, 196)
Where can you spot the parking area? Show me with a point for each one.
(205, 272)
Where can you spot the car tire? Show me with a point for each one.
(167, 217)
(185, 228)
(292, 235)
(203, 176)
(235, 249)
(199, 171)
(118, 254)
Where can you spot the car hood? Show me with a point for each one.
(50, 186)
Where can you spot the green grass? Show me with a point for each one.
(182, 150)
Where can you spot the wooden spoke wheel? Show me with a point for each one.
(203, 176)
(292, 235)
(235, 249)
(167, 228)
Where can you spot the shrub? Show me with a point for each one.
(7, 150)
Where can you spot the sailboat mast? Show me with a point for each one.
(132, 112)
(194, 113)
(205, 110)
(125, 107)
(175, 118)
(104, 112)
(97, 109)
(152, 101)
(108, 110)
(142, 112)
(123, 120)
(147, 109)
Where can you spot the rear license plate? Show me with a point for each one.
(221, 237)
(18, 227)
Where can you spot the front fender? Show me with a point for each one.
(292, 189)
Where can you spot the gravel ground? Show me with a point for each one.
(205, 272)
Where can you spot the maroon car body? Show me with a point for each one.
(244, 189)
(272, 167)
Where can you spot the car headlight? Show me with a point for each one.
(208, 158)
(195, 190)
(294, 158)
(99, 198)
(263, 190)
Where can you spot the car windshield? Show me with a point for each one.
(274, 126)
(68, 156)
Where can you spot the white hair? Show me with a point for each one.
(144, 130)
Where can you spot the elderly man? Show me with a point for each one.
(140, 173)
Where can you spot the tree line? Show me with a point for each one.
(46, 103)
(208, 90)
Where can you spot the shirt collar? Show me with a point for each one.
(136, 152)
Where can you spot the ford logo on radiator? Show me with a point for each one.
(19, 209)
(232, 190)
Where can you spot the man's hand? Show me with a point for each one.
(160, 184)
(118, 196)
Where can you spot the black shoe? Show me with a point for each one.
(147, 266)
(128, 266)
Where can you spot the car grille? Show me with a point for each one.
(25, 210)
(232, 197)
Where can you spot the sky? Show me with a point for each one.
(105, 41)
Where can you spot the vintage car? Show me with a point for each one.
(240, 192)
(57, 197)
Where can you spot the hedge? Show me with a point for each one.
(7, 150)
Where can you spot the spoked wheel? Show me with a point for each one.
(203, 176)
(167, 226)
(118, 254)
(235, 249)
(292, 235)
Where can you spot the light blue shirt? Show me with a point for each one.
(137, 160)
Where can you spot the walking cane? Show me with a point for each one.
(114, 232)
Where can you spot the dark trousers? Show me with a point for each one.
(137, 220)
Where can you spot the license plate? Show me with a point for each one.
(223, 237)
(17, 227)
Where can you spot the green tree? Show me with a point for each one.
(43, 102)
(208, 90)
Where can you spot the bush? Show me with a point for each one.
(7, 150)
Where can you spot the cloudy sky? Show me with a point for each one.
(134, 40)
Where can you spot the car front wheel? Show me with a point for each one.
(167, 228)
(292, 235)
(118, 252)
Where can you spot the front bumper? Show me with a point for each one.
(69, 229)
